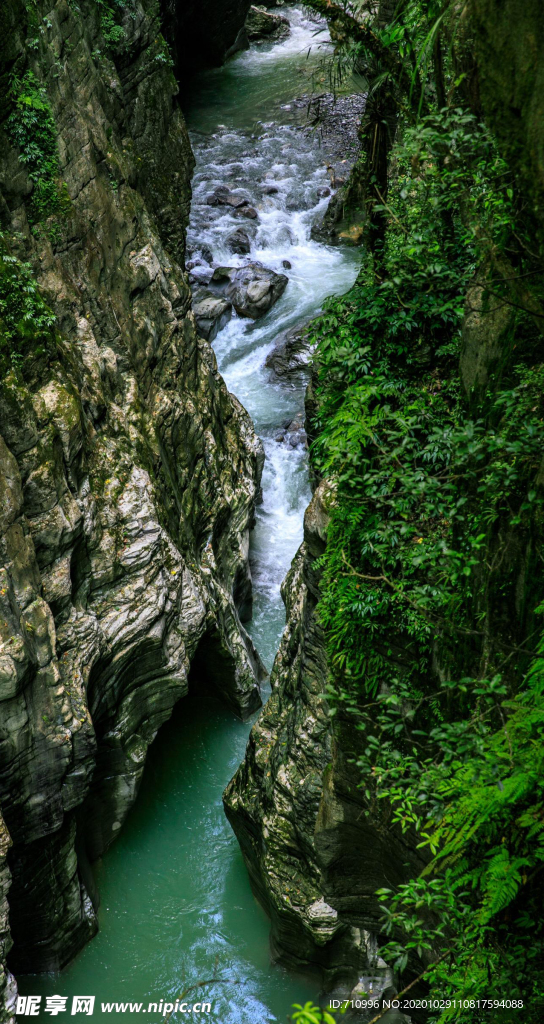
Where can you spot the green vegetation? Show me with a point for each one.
(310, 1014)
(26, 322)
(429, 385)
(111, 15)
(32, 128)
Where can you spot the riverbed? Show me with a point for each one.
(176, 905)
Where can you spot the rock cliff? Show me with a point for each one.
(314, 849)
(128, 473)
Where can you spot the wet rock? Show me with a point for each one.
(293, 433)
(200, 274)
(246, 211)
(239, 242)
(291, 355)
(275, 795)
(269, 190)
(223, 196)
(261, 26)
(286, 264)
(343, 221)
(252, 289)
(198, 256)
(211, 315)
(323, 191)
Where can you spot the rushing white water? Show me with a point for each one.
(289, 157)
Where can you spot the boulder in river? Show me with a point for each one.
(261, 25)
(211, 315)
(293, 433)
(252, 289)
(290, 357)
(246, 211)
(239, 242)
(199, 274)
(223, 196)
(199, 255)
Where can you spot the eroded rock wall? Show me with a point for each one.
(314, 849)
(128, 473)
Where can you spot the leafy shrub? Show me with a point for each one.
(32, 128)
(26, 322)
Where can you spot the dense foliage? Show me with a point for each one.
(32, 128)
(26, 322)
(429, 383)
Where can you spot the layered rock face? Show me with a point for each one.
(315, 851)
(128, 473)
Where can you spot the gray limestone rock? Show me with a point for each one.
(239, 242)
(246, 213)
(211, 315)
(223, 196)
(290, 357)
(252, 289)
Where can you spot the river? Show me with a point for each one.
(176, 905)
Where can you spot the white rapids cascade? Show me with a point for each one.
(288, 158)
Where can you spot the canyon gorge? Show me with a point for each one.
(182, 187)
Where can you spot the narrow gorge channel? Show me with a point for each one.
(175, 901)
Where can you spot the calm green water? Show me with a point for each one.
(176, 905)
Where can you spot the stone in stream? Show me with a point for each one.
(246, 211)
(252, 289)
(199, 255)
(293, 433)
(222, 196)
(290, 357)
(211, 315)
(261, 26)
(199, 274)
(239, 242)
